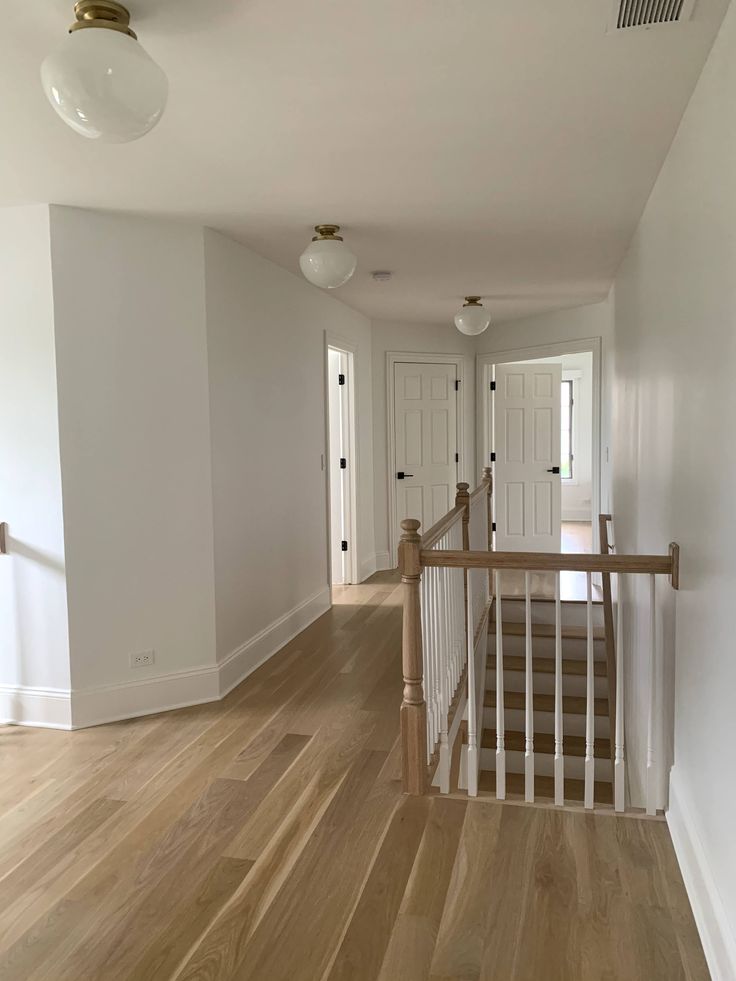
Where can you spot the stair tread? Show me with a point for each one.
(571, 704)
(514, 628)
(544, 787)
(544, 742)
(546, 665)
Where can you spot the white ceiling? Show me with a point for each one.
(470, 146)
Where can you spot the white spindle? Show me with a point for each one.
(529, 702)
(651, 737)
(619, 766)
(472, 756)
(500, 719)
(559, 750)
(589, 702)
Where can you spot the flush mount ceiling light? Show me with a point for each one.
(327, 261)
(472, 319)
(101, 81)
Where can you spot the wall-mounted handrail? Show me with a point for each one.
(666, 565)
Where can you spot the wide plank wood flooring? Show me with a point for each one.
(265, 837)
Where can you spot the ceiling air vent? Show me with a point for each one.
(650, 13)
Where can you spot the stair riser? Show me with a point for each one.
(574, 648)
(573, 725)
(544, 684)
(544, 764)
(573, 614)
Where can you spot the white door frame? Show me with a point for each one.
(347, 347)
(410, 357)
(485, 364)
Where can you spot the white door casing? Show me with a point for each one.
(425, 441)
(526, 425)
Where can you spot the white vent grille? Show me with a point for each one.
(650, 13)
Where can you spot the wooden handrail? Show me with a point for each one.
(443, 525)
(3, 538)
(482, 488)
(666, 565)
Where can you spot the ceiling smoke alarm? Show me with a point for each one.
(381, 276)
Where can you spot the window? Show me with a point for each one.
(566, 460)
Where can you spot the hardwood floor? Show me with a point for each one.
(265, 837)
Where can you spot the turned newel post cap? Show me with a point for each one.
(487, 471)
(410, 525)
(463, 487)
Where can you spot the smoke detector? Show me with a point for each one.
(626, 14)
(381, 276)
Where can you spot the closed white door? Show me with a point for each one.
(341, 464)
(426, 442)
(526, 485)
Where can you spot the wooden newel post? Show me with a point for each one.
(413, 707)
(462, 500)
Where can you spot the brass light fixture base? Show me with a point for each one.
(327, 232)
(102, 13)
(472, 301)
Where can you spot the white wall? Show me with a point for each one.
(675, 466)
(34, 652)
(267, 405)
(134, 430)
(414, 339)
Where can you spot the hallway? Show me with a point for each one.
(265, 837)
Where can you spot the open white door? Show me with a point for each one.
(426, 442)
(526, 485)
(341, 459)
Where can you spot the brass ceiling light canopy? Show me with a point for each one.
(327, 262)
(473, 319)
(102, 13)
(101, 81)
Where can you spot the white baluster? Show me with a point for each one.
(472, 757)
(619, 766)
(500, 719)
(589, 703)
(559, 750)
(651, 736)
(529, 703)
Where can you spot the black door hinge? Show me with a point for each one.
(493, 526)
(344, 546)
(343, 463)
(493, 457)
(457, 384)
(493, 386)
(341, 379)
(457, 458)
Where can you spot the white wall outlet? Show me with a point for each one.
(142, 659)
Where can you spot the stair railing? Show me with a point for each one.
(435, 637)
(429, 558)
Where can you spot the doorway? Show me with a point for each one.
(577, 437)
(341, 465)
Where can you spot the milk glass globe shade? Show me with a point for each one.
(104, 85)
(328, 263)
(472, 319)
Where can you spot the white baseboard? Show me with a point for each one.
(367, 568)
(383, 561)
(712, 920)
(81, 708)
(245, 659)
(45, 708)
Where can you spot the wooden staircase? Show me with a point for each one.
(573, 704)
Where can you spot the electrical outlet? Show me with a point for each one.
(142, 659)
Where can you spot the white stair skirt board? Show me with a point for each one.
(712, 920)
(45, 708)
(82, 708)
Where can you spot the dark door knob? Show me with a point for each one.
(554, 470)
(400, 475)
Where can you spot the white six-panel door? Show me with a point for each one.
(425, 440)
(526, 427)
